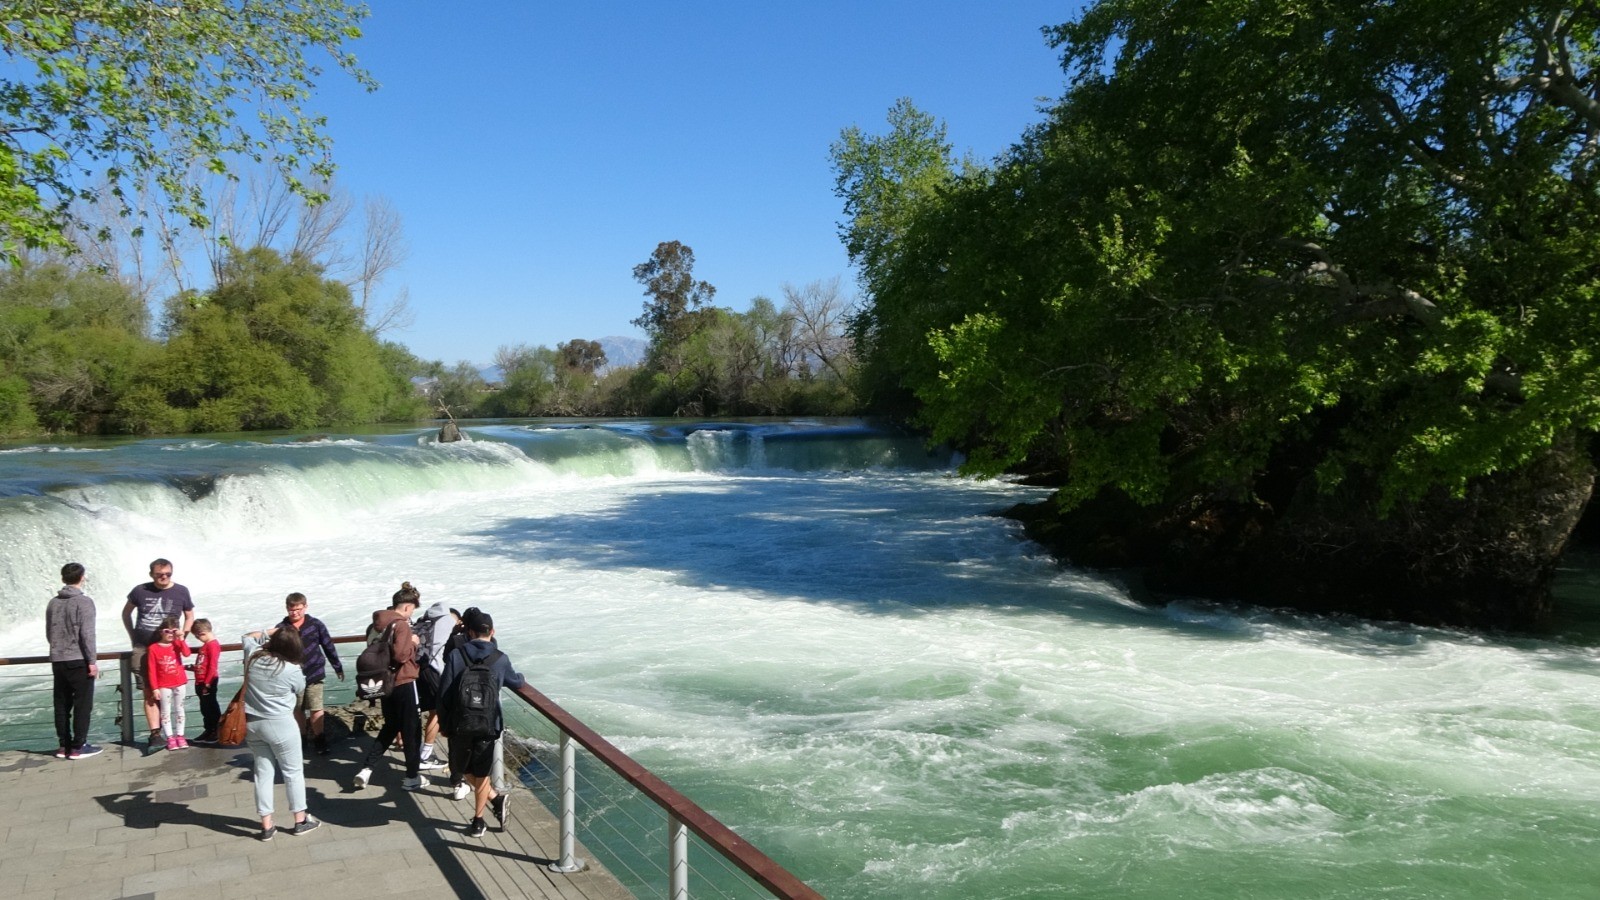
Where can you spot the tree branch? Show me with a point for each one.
(1363, 302)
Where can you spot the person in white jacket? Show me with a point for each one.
(433, 630)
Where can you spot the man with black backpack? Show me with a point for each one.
(469, 708)
(393, 681)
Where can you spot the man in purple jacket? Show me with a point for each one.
(318, 644)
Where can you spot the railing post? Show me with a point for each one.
(569, 861)
(678, 867)
(125, 680)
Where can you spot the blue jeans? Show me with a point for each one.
(275, 743)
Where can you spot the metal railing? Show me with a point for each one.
(617, 801)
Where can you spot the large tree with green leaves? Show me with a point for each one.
(275, 344)
(1262, 248)
(673, 291)
(1246, 222)
(125, 96)
(72, 348)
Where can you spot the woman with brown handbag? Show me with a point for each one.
(272, 689)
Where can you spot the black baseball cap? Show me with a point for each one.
(478, 621)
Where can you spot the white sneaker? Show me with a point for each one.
(461, 791)
(432, 765)
(363, 778)
(413, 783)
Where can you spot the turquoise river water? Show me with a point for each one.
(822, 634)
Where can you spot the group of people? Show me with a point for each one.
(444, 665)
(159, 619)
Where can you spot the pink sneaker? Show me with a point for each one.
(174, 743)
(183, 742)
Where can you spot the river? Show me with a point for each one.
(821, 634)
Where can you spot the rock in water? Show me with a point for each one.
(449, 433)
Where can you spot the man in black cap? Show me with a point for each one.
(469, 708)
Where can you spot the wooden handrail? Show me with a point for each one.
(756, 864)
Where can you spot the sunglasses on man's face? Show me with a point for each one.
(160, 574)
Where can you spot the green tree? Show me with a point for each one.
(75, 339)
(582, 356)
(886, 179)
(887, 183)
(459, 389)
(133, 94)
(1354, 235)
(527, 381)
(669, 282)
(276, 345)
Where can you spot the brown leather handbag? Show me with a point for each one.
(231, 732)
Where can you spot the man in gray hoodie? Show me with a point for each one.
(432, 631)
(69, 627)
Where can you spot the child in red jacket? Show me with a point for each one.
(169, 681)
(206, 674)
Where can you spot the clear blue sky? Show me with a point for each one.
(538, 151)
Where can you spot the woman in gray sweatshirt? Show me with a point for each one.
(274, 683)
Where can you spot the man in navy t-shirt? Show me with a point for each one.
(147, 605)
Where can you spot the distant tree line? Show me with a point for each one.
(273, 344)
(277, 344)
(121, 160)
(796, 358)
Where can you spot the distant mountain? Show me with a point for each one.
(623, 351)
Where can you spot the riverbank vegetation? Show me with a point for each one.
(1293, 303)
(122, 162)
(275, 343)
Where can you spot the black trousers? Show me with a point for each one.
(74, 695)
(400, 716)
(210, 711)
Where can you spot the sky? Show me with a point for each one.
(537, 152)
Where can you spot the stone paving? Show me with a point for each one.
(182, 824)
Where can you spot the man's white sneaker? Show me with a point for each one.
(461, 791)
(363, 778)
(414, 783)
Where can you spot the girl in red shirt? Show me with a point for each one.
(169, 680)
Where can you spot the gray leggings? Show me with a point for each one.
(276, 743)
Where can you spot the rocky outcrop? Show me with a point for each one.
(1483, 560)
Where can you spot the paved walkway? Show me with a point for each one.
(182, 824)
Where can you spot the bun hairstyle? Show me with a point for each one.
(407, 594)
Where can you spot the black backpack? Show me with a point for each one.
(375, 667)
(477, 699)
(423, 629)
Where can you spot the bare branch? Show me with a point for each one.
(383, 249)
(316, 226)
(821, 315)
(397, 316)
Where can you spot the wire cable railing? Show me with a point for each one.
(655, 840)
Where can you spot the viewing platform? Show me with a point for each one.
(183, 824)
